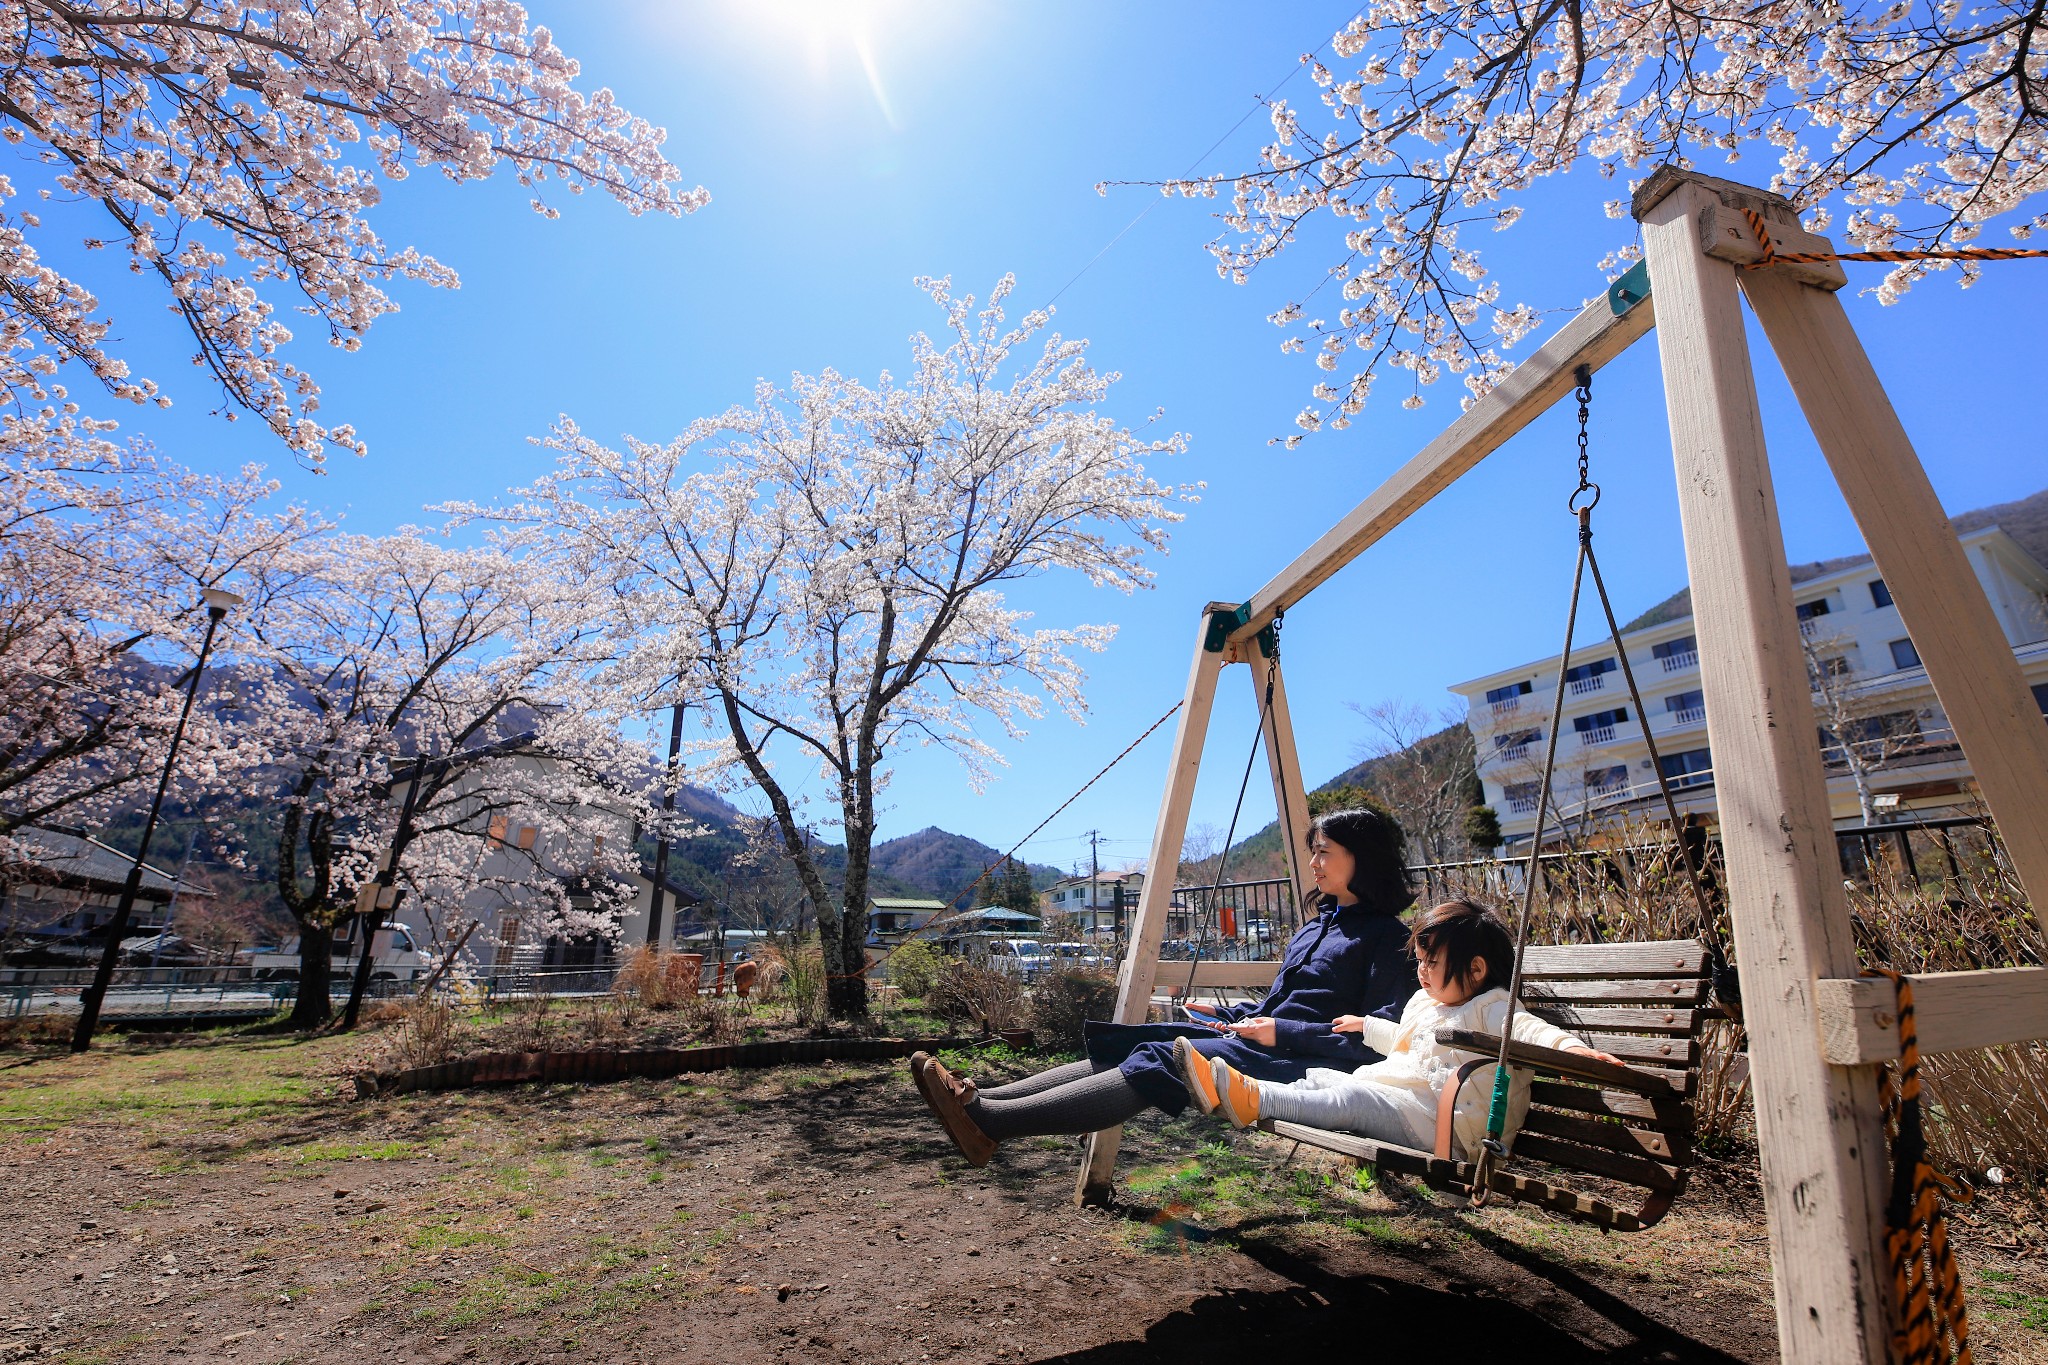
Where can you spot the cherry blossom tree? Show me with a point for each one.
(388, 663)
(824, 572)
(237, 152)
(1904, 125)
(103, 552)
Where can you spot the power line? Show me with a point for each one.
(1260, 103)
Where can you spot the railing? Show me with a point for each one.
(1689, 715)
(1264, 915)
(1685, 658)
(1598, 734)
(1506, 708)
(1522, 804)
(1591, 683)
(1513, 751)
(1807, 625)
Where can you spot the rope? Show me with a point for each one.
(1933, 1327)
(1772, 256)
(1003, 858)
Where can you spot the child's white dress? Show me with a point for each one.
(1395, 1100)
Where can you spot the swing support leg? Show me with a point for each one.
(1283, 761)
(1819, 1127)
(1141, 954)
(1972, 668)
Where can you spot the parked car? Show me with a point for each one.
(1025, 958)
(1082, 957)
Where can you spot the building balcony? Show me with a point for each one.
(1691, 715)
(1608, 791)
(1522, 805)
(1594, 683)
(1512, 754)
(1506, 708)
(1599, 734)
(1673, 663)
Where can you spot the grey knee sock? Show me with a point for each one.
(1044, 1080)
(1102, 1099)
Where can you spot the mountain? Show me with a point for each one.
(940, 864)
(2026, 521)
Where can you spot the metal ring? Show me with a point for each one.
(1571, 503)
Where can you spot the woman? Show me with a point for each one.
(1350, 959)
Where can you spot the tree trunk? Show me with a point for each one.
(845, 940)
(315, 1006)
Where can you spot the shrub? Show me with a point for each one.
(803, 983)
(914, 969)
(968, 992)
(1063, 1001)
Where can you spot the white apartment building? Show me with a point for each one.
(1871, 692)
(1090, 904)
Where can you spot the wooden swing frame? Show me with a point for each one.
(1818, 1030)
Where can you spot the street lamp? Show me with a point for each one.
(219, 602)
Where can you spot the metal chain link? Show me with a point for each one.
(1583, 379)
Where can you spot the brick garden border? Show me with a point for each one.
(611, 1064)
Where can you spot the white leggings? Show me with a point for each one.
(1332, 1099)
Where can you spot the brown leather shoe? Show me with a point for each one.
(942, 1092)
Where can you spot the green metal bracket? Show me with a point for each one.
(1223, 623)
(1630, 290)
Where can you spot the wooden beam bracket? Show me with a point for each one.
(1952, 1012)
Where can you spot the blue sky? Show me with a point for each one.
(965, 139)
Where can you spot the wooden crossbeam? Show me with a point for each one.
(1952, 1012)
(1241, 976)
(1595, 337)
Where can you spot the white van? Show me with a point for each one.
(397, 956)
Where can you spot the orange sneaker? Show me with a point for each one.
(1237, 1095)
(1194, 1074)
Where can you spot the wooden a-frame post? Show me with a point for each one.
(1820, 1134)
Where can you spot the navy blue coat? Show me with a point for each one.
(1347, 960)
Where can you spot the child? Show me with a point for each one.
(1464, 959)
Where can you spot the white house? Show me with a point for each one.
(1090, 904)
(1854, 638)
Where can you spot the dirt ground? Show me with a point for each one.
(225, 1199)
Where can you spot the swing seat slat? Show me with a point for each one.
(1626, 1126)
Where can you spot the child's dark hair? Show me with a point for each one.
(1463, 930)
(1379, 850)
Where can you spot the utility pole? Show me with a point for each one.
(1094, 880)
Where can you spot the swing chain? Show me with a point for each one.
(1582, 378)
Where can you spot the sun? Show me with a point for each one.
(829, 31)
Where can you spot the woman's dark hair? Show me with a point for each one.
(1379, 852)
(1463, 930)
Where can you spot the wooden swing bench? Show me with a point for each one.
(1624, 1126)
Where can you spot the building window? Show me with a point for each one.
(1904, 655)
(1834, 666)
(1516, 741)
(1806, 611)
(500, 828)
(2041, 698)
(1693, 768)
(1511, 692)
(1880, 595)
(1600, 719)
(1581, 672)
(1684, 705)
(1520, 796)
(528, 834)
(1607, 781)
(1684, 644)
